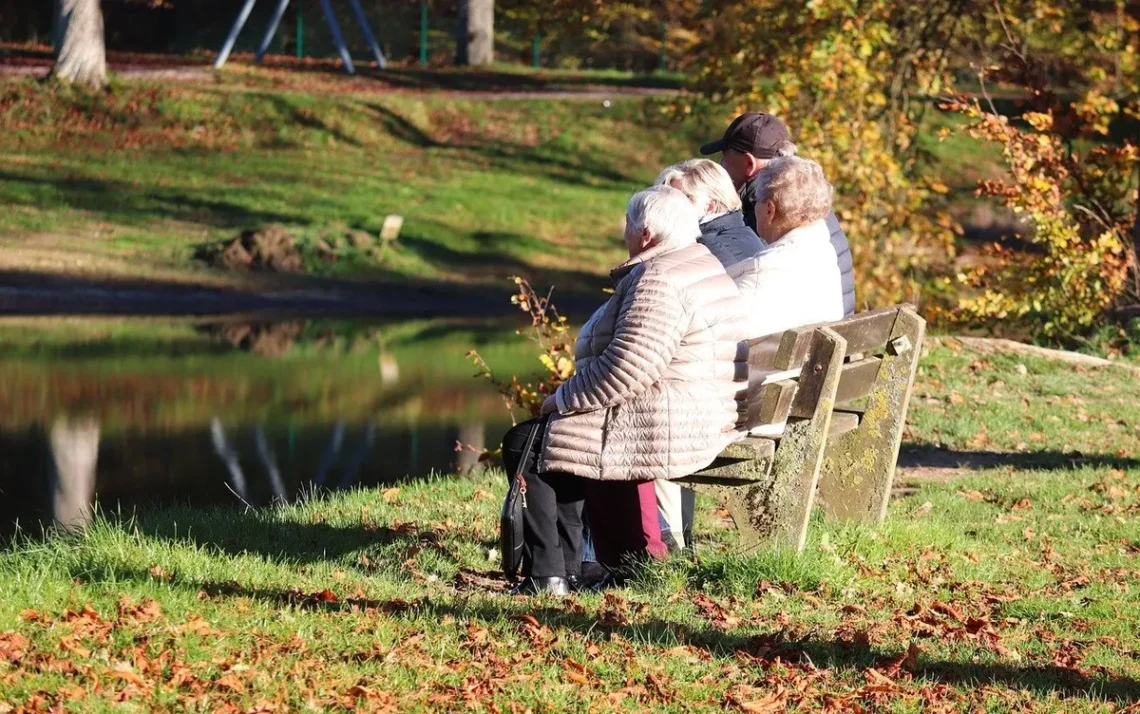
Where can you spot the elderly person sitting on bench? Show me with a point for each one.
(794, 280)
(655, 394)
(724, 233)
(723, 230)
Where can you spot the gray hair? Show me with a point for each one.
(797, 188)
(785, 148)
(666, 213)
(705, 182)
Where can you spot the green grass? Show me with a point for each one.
(132, 181)
(1014, 588)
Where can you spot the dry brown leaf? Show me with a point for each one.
(231, 682)
(123, 671)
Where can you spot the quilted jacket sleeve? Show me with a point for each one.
(649, 327)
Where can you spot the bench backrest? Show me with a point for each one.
(775, 363)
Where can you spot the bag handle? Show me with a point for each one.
(528, 453)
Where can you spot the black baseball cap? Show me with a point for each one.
(754, 132)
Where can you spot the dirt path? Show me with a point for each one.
(488, 86)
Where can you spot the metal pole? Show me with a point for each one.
(337, 38)
(228, 46)
(381, 62)
(300, 31)
(534, 51)
(423, 33)
(271, 30)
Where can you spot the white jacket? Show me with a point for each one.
(792, 282)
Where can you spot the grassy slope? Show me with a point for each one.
(130, 182)
(1017, 587)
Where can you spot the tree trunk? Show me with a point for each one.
(475, 34)
(1136, 241)
(80, 51)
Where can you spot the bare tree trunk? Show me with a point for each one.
(81, 55)
(1136, 247)
(475, 34)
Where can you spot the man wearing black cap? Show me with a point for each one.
(749, 143)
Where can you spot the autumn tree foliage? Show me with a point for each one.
(851, 79)
(1072, 159)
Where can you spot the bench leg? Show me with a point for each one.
(859, 466)
(779, 510)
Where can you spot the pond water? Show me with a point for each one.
(115, 413)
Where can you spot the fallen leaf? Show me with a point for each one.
(231, 682)
(123, 671)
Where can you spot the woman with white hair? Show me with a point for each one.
(723, 229)
(795, 280)
(655, 394)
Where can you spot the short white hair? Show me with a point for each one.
(668, 215)
(705, 182)
(797, 188)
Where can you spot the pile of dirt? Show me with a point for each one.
(271, 248)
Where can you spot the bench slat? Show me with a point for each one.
(864, 332)
(841, 423)
(773, 401)
(746, 461)
(858, 379)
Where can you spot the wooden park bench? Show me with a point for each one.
(831, 401)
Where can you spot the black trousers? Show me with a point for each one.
(552, 519)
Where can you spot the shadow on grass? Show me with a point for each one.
(533, 160)
(38, 293)
(129, 203)
(912, 456)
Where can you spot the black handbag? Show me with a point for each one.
(511, 519)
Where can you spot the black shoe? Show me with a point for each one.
(594, 577)
(558, 587)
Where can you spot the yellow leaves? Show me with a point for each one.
(1041, 121)
(1098, 110)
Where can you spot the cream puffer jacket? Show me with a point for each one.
(661, 370)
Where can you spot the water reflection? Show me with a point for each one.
(120, 413)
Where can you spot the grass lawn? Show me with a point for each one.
(131, 182)
(1013, 588)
